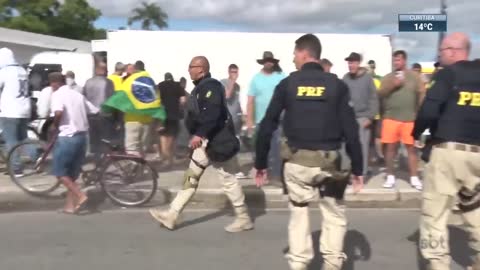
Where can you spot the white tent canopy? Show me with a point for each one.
(26, 44)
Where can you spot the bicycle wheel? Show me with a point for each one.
(129, 182)
(29, 164)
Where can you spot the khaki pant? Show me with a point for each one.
(136, 135)
(301, 183)
(447, 172)
(226, 171)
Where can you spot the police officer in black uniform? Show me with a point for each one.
(213, 143)
(318, 118)
(451, 110)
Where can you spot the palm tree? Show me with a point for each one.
(149, 15)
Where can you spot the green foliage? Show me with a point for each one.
(149, 14)
(71, 19)
(75, 20)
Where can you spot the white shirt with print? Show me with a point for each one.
(14, 97)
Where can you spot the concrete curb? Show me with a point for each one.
(14, 199)
(274, 198)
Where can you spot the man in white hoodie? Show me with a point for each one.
(15, 102)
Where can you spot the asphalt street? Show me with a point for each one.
(130, 239)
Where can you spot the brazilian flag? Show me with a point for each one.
(137, 96)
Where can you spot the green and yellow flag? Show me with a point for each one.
(138, 96)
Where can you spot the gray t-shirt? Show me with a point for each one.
(98, 89)
(233, 103)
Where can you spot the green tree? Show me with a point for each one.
(149, 15)
(100, 34)
(6, 11)
(71, 19)
(75, 20)
(33, 15)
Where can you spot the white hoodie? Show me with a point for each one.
(14, 98)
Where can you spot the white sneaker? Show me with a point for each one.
(241, 175)
(390, 182)
(416, 183)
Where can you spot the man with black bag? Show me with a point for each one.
(318, 118)
(213, 143)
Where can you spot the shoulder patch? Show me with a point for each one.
(209, 94)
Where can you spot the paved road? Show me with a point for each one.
(129, 239)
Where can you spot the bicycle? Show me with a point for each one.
(32, 134)
(131, 167)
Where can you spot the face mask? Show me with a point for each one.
(70, 81)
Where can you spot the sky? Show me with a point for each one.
(307, 16)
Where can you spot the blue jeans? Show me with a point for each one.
(69, 155)
(14, 131)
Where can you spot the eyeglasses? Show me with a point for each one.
(192, 66)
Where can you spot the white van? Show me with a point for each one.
(41, 64)
(82, 64)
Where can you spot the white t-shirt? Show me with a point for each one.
(44, 102)
(74, 108)
(14, 99)
(45, 97)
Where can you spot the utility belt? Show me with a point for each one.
(328, 161)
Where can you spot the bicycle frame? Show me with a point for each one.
(106, 158)
(47, 151)
(100, 164)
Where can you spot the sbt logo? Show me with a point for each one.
(310, 91)
(469, 99)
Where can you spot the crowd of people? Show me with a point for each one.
(385, 117)
(384, 113)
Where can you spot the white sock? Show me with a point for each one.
(414, 178)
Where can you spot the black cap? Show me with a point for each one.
(354, 57)
(168, 76)
(371, 62)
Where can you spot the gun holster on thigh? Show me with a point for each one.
(333, 189)
(469, 200)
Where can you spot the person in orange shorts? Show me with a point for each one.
(402, 92)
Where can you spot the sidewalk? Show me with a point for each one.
(210, 194)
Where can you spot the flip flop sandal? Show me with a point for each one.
(62, 211)
(81, 207)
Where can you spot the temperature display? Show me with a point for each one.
(422, 23)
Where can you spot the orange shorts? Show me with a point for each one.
(394, 131)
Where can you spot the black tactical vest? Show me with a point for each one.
(311, 119)
(460, 117)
